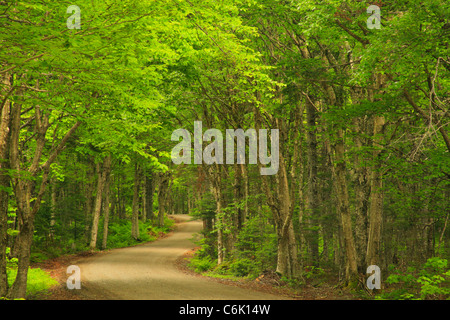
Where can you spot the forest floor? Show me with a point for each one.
(177, 277)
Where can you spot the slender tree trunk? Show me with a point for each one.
(4, 184)
(246, 191)
(4, 200)
(163, 191)
(287, 262)
(88, 205)
(107, 170)
(301, 204)
(120, 198)
(376, 201)
(220, 236)
(344, 207)
(113, 209)
(361, 182)
(237, 216)
(313, 202)
(53, 197)
(216, 188)
(135, 206)
(143, 203)
(98, 205)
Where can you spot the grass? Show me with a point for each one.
(38, 281)
(216, 275)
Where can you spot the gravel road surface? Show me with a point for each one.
(149, 272)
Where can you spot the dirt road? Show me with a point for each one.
(148, 272)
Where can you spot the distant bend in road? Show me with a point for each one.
(148, 272)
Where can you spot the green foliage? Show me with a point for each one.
(11, 263)
(119, 234)
(292, 282)
(38, 281)
(201, 264)
(243, 267)
(137, 70)
(430, 283)
(435, 279)
(205, 248)
(257, 242)
(313, 272)
(39, 257)
(255, 252)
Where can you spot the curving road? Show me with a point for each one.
(148, 272)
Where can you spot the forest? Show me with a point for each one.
(104, 103)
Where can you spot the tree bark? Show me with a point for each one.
(53, 197)
(4, 200)
(343, 209)
(4, 184)
(24, 186)
(135, 206)
(361, 182)
(376, 200)
(216, 188)
(162, 197)
(287, 261)
(101, 176)
(312, 203)
(107, 193)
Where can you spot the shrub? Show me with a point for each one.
(430, 283)
(242, 267)
(313, 272)
(202, 264)
(434, 279)
(120, 233)
(257, 242)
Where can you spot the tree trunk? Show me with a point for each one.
(219, 227)
(53, 197)
(88, 205)
(162, 197)
(107, 170)
(287, 262)
(376, 201)
(24, 187)
(22, 192)
(344, 207)
(246, 191)
(215, 178)
(24, 240)
(120, 200)
(361, 182)
(312, 204)
(135, 206)
(4, 184)
(98, 205)
(143, 203)
(4, 200)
